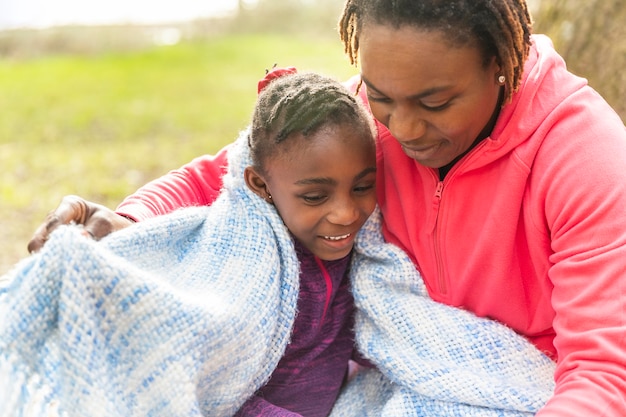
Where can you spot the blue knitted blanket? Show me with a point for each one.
(432, 359)
(183, 315)
(188, 314)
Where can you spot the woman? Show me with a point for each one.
(498, 171)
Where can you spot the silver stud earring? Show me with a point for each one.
(501, 79)
(269, 196)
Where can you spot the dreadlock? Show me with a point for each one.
(302, 104)
(500, 28)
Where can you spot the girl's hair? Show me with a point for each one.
(499, 28)
(302, 104)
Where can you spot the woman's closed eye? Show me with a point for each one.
(378, 99)
(425, 105)
(435, 106)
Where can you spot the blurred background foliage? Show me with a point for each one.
(100, 111)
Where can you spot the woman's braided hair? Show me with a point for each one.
(303, 104)
(500, 28)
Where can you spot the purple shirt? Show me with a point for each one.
(310, 374)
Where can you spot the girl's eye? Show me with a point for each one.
(314, 198)
(362, 189)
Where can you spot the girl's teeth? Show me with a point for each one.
(337, 237)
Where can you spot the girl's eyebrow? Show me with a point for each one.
(425, 93)
(331, 181)
(318, 180)
(366, 171)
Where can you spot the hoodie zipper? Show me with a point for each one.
(441, 282)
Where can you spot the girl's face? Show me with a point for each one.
(323, 187)
(434, 98)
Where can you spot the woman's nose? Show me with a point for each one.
(406, 124)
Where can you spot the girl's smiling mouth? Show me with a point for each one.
(335, 238)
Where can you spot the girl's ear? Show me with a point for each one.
(257, 184)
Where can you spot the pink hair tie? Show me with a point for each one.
(273, 74)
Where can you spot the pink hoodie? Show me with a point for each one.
(529, 228)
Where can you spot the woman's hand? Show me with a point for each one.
(98, 221)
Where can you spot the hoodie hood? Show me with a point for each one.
(546, 85)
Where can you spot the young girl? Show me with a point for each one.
(193, 291)
(314, 159)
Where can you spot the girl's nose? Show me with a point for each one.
(344, 213)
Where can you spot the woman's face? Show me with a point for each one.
(434, 98)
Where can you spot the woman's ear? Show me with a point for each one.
(496, 69)
(257, 184)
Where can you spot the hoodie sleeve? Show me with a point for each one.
(197, 183)
(580, 177)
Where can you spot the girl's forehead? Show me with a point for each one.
(329, 143)
(349, 132)
(341, 167)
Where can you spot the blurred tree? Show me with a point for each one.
(591, 36)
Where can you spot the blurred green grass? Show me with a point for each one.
(101, 125)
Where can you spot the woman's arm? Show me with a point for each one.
(197, 183)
